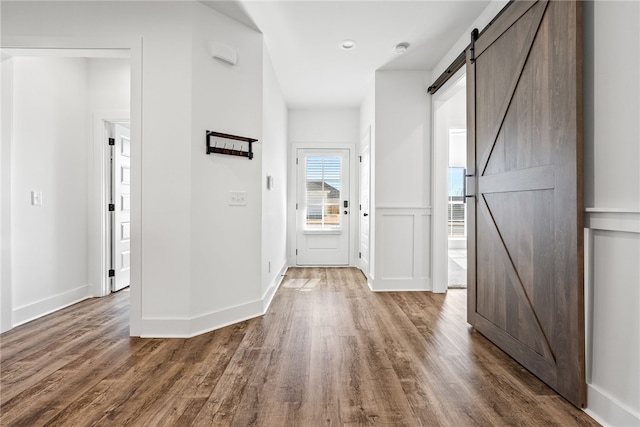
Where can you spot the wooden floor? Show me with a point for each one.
(329, 352)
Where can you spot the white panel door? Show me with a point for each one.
(323, 206)
(121, 198)
(365, 185)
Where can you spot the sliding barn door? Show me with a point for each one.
(525, 156)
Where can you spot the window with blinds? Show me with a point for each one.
(323, 186)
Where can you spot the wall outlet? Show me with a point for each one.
(237, 198)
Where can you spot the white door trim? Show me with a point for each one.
(58, 45)
(291, 197)
(365, 141)
(439, 202)
(100, 180)
(134, 46)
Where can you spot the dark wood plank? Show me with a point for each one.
(335, 354)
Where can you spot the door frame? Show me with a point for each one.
(439, 202)
(59, 46)
(102, 130)
(365, 137)
(292, 197)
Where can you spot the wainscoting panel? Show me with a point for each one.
(612, 298)
(402, 249)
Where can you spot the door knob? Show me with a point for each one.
(365, 214)
(346, 212)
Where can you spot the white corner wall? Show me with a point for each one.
(402, 189)
(274, 200)
(196, 262)
(612, 219)
(226, 248)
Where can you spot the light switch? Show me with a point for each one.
(36, 198)
(237, 198)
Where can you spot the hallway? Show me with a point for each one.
(328, 352)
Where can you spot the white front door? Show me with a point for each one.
(323, 207)
(121, 199)
(365, 185)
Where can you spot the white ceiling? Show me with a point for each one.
(303, 39)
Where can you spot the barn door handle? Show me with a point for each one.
(464, 186)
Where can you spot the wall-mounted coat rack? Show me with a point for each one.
(243, 146)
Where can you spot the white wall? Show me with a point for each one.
(612, 221)
(322, 128)
(274, 164)
(402, 181)
(109, 81)
(181, 222)
(49, 151)
(226, 245)
(6, 114)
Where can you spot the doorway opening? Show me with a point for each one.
(119, 200)
(449, 204)
(457, 209)
(364, 254)
(57, 94)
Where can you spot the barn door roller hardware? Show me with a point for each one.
(236, 146)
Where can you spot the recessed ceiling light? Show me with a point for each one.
(348, 44)
(402, 48)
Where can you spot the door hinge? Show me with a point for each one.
(296, 206)
(296, 252)
(359, 254)
(360, 158)
(360, 207)
(112, 141)
(296, 160)
(112, 273)
(112, 207)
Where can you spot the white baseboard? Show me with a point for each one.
(225, 317)
(608, 411)
(267, 297)
(189, 327)
(201, 324)
(400, 285)
(34, 310)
